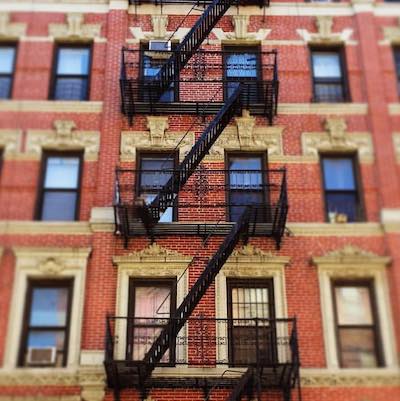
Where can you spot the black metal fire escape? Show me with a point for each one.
(140, 372)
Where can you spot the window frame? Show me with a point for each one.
(175, 157)
(396, 50)
(144, 46)
(246, 282)
(45, 283)
(364, 282)
(14, 45)
(156, 282)
(40, 198)
(55, 76)
(344, 81)
(231, 49)
(264, 162)
(360, 206)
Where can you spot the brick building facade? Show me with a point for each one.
(221, 180)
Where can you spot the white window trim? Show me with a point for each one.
(46, 263)
(353, 263)
(153, 262)
(249, 262)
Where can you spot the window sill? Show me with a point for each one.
(51, 106)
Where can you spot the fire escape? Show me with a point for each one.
(276, 361)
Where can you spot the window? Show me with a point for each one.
(243, 65)
(59, 197)
(71, 73)
(155, 171)
(7, 65)
(150, 305)
(328, 76)
(151, 63)
(246, 185)
(396, 53)
(46, 323)
(250, 339)
(356, 325)
(342, 200)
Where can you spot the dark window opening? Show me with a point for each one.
(329, 80)
(155, 171)
(7, 67)
(342, 198)
(356, 325)
(60, 190)
(252, 336)
(71, 73)
(46, 323)
(396, 53)
(151, 303)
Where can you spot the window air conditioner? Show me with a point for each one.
(41, 356)
(160, 45)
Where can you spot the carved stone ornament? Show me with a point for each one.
(247, 137)
(154, 250)
(240, 31)
(240, 25)
(324, 24)
(64, 137)
(133, 141)
(92, 382)
(12, 30)
(75, 28)
(159, 24)
(250, 250)
(10, 141)
(337, 139)
(157, 126)
(392, 33)
(51, 266)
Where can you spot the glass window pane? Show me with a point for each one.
(357, 348)
(49, 307)
(338, 173)
(7, 54)
(73, 61)
(71, 89)
(5, 87)
(59, 206)
(329, 92)
(326, 65)
(167, 216)
(342, 203)
(353, 305)
(46, 339)
(62, 172)
(148, 301)
(241, 65)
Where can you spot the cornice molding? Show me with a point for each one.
(11, 227)
(10, 141)
(131, 141)
(35, 377)
(63, 137)
(335, 229)
(51, 106)
(252, 254)
(336, 138)
(93, 383)
(10, 30)
(324, 108)
(75, 29)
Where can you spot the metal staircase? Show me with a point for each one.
(183, 312)
(244, 385)
(150, 214)
(169, 72)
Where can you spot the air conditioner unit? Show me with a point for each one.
(41, 356)
(160, 45)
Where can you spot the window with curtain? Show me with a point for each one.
(46, 322)
(329, 79)
(150, 305)
(7, 66)
(59, 194)
(251, 339)
(356, 322)
(71, 73)
(341, 188)
(155, 171)
(243, 65)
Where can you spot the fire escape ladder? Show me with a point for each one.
(244, 385)
(169, 72)
(151, 214)
(183, 312)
